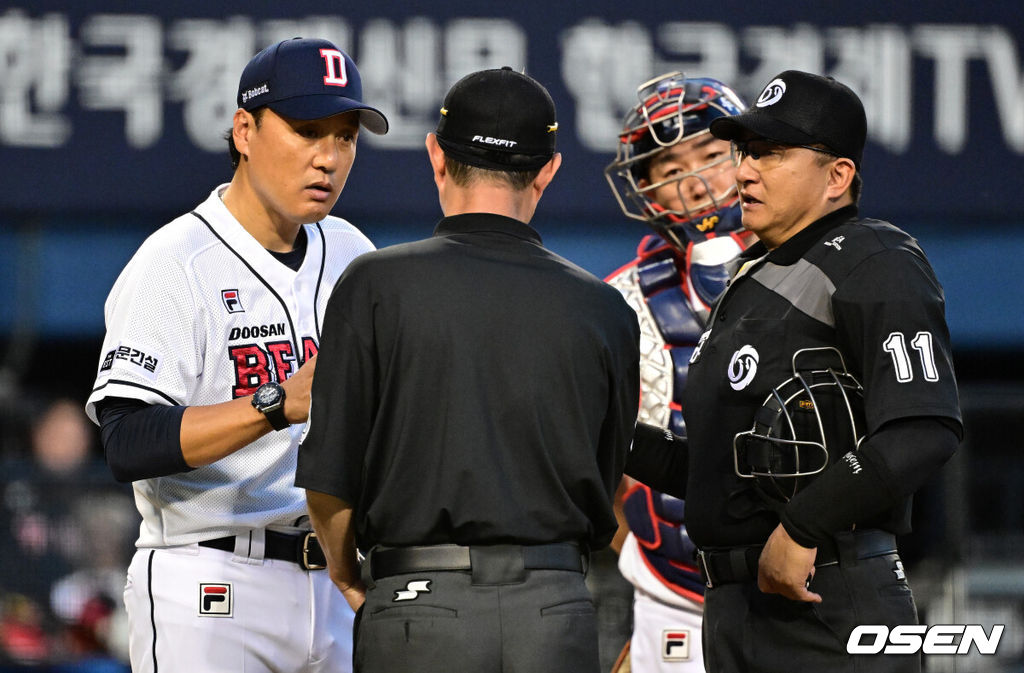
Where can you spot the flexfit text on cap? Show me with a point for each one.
(305, 78)
(499, 119)
(800, 108)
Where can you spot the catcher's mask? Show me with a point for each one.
(673, 108)
(806, 423)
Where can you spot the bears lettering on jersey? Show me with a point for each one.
(283, 356)
(309, 348)
(256, 364)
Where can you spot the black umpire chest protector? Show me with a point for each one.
(776, 306)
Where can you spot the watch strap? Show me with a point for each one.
(277, 418)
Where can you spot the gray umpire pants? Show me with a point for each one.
(443, 622)
(746, 631)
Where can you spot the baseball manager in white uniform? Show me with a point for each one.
(204, 376)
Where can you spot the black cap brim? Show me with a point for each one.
(753, 125)
(323, 106)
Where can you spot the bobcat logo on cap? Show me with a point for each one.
(772, 93)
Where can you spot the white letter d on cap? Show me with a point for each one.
(336, 73)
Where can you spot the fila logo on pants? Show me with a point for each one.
(675, 645)
(215, 600)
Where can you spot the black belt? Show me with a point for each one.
(488, 563)
(301, 548)
(739, 564)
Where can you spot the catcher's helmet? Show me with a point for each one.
(805, 424)
(673, 109)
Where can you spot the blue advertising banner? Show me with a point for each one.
(112, 107)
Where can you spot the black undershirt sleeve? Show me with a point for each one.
(143, 441)
(890, 466)
(659, 459)
(140, 440)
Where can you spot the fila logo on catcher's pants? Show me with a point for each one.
(215, 600)
(675, 645)
(412, 591)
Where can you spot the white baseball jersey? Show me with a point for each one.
(203, 314)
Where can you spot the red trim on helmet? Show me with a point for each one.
(663, 95)
(632, 136)
(686, 108)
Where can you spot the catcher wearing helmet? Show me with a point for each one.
(672, 174)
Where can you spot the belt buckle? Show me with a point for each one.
(306, 565)
(706, 570)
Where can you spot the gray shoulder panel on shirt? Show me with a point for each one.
(802, 284)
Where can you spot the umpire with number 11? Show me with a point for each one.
(819, 399)
(471, 412)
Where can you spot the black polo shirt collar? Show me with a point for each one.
(798, 245)
(471, 223)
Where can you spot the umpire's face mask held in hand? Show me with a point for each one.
(806, 423)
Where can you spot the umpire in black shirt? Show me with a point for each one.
(820, 397)
(474, 402)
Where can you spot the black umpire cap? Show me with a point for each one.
(800, 108)
(500, 120)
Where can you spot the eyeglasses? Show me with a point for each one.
(767, 153)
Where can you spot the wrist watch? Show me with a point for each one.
(269, 401)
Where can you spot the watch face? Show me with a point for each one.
(267, 395)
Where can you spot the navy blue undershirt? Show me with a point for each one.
(143, 441)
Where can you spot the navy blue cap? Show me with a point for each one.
(306, 79)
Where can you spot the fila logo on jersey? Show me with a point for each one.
(412, 590)
(232, 302)
(215, 600)
(675, 645)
